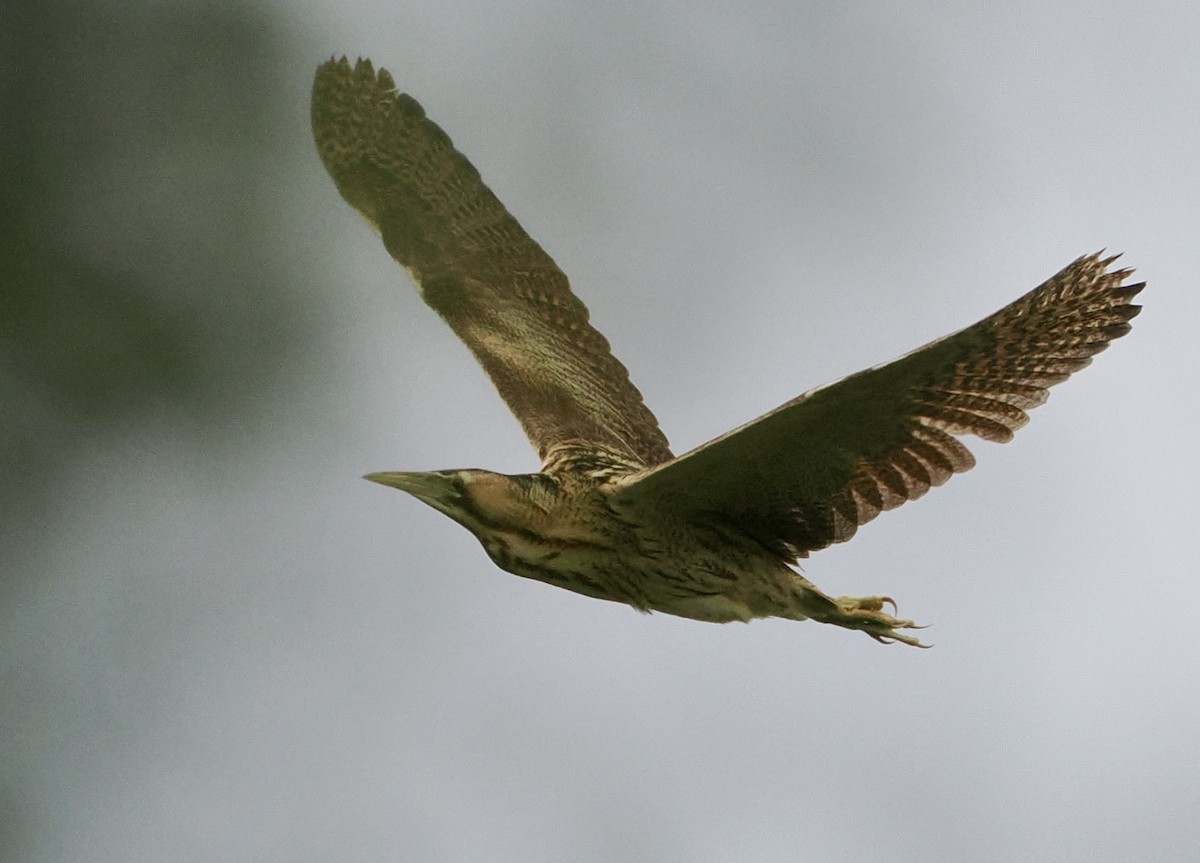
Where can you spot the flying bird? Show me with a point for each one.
(714, 534)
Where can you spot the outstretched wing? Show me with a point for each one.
(473, 264)
(810, 472)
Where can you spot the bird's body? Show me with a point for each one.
(714, 534)
(578, 532)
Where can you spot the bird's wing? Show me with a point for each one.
(473, 264)
(810, 472)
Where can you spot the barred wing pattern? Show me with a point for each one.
(810, 472)
(474, 264)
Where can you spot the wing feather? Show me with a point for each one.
(498, 290)
(810, 472)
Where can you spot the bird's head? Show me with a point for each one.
(479, 500)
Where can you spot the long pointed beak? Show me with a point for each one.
(429, 487)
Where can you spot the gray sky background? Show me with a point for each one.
(223, 645)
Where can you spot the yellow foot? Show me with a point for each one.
(866, 613)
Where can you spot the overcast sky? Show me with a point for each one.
(250, 654)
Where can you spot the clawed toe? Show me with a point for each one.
(893, 637)
(866, 613)
(866, 603)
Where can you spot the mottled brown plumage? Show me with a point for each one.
(810, 472)
(476, 267)
(612, 515)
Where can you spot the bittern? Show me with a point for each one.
(715, 534)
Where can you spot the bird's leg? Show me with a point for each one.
(864, 613)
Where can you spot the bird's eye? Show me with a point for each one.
(458, 484)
